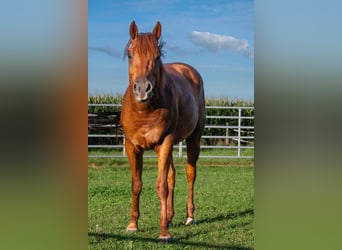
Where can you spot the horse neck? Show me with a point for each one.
(161, 77)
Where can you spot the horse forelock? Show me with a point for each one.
(146, 44)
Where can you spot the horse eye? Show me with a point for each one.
(129, 54)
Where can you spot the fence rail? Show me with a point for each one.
(237, 141)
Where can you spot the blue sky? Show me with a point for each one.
(216, 37)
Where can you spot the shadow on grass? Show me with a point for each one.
(183, 242)
(220, 217)
(179, 242)
(230, 216)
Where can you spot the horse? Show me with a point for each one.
(162, 105)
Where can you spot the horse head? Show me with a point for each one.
(145, 67)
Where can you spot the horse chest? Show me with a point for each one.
(146, 137)
(145, 132)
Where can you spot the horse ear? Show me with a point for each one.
(157, 30)
(133, 30)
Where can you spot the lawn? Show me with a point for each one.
(224, 196)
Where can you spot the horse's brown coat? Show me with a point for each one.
(163, 105)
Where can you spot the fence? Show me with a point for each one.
(224, 136)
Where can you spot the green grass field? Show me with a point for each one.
(204, 152)
(224, 197)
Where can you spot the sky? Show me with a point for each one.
(215, 37)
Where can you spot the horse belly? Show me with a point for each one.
(188, 114)
(186, 128)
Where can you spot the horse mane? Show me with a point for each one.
(147, 46)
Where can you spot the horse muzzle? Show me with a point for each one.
(142, 90)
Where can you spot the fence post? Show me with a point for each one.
(180, 149)
(227, 133)
(124, 147)
(239, 133)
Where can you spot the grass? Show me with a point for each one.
(204, 152)
(223, 198)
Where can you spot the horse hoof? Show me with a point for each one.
(165, 239)
(131, 230)
(189, 221)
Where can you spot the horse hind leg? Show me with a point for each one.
(193, 149)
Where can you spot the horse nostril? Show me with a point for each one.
(149, 87)
(134, 86)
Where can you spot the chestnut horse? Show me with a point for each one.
(163, 104)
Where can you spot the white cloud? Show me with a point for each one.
(108, 51)
(216, 42)
(249, 53)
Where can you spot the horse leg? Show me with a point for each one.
(164, 152)
(193, 149)
(171, 186)
(136, 161)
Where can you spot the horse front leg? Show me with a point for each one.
(136, 162)
(164, 152)
(171, 186)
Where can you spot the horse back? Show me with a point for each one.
(187, 81)
(187, 71)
